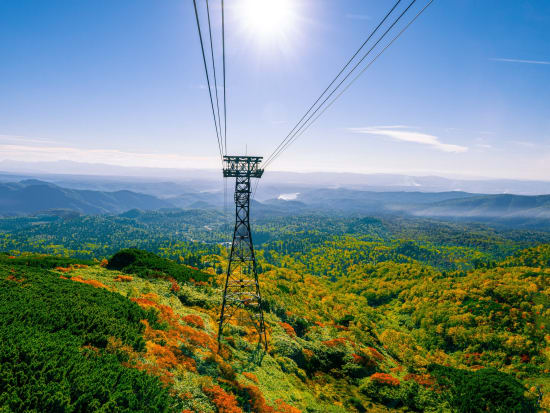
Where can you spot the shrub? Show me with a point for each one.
(483, 390)
(146, 264)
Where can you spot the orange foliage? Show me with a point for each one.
(93, 283)
(335, 342)
(307, 353)
(257, 400)
(63, 277)
(250, 376)
(175, 286)
(64, 269)
(358, 359)
(225, 402)
(124, 278)
(423, 379)
(194, 320)
(384, 378)
(12, 277)
(11, 257)
(376, 354)
(282, 407)
(288, 329)
(104, 263)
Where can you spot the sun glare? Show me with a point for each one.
(268, 19)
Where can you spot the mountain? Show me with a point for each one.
(33, 196)
(491, 206)
(162, 181)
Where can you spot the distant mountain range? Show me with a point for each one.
(164, 182)
(33, 196)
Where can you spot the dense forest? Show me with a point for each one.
(119, 313)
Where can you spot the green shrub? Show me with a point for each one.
(146, 264)
(485, 390)
(53, 338)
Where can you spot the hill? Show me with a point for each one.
(33, 196)
(389, 337)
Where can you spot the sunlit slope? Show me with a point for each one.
(393, 337)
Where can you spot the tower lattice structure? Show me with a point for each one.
(241, 295)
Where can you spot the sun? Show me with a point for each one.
(268, 19)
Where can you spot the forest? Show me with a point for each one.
(363, 314)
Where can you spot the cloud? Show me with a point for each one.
(397, 133)
(17, 138)
(43, 153)
(353, 16)
(531, 62)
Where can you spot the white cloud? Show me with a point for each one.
(43, 153)
(531, 62)
(397, 133)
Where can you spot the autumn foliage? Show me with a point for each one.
(224, 402)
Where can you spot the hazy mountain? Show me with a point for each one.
(33, 196)
(491, 206)
(166, 182)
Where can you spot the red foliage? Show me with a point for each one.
(335, 342)
(376, 354)
(525, 358)
(384, 378)
(175, 286)
(194, 320)
(358, 359)
(225, 402)
(423, 379)
(288, 329)
(11, 257)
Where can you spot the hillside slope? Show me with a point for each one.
(398, 337)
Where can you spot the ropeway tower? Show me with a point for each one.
(241, 295)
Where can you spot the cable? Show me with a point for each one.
(207, 78)
(338, 75)
(214, 71)
(224, 96)
(276, 153)
(358, 75)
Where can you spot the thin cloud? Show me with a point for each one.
(531, 62)
(17, 138)
(411, 136)
(41, 153)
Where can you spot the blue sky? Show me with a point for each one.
(465, 91)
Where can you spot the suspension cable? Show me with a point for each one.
(276, 153)
(337, 76)
(208, 79)
(224, 95)
(358, 75)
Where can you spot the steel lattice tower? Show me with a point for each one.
(242, 290)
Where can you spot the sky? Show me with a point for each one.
(465, 91)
